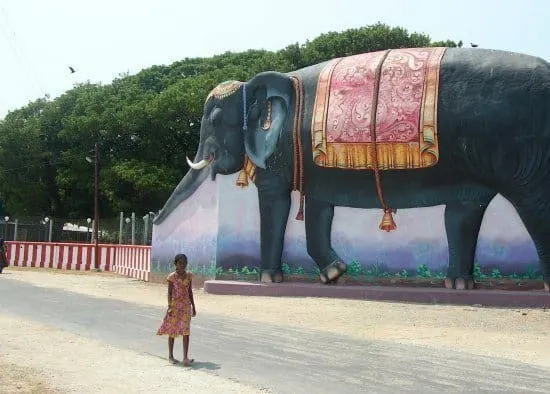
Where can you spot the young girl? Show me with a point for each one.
(181, 307)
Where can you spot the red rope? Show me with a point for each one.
(298, 178)
(373, 133)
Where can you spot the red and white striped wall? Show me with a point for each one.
(129, 260)
(133, 261)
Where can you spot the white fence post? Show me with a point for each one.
(121, 228)
(145, 229)
(50, 231)
(133, 228)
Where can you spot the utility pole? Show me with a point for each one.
(96, 206)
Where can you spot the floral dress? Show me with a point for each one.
(177, 323)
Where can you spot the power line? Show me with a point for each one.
(20, 56)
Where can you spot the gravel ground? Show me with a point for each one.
(15, 379)
(515, 334)
(67, 363)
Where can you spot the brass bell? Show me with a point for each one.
(387, 223)
(242, 180)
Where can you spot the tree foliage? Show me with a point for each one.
(145, 125)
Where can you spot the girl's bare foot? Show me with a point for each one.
(188, 362)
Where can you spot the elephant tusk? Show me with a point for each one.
(198, 166)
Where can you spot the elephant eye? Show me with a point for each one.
(254, 111)
(216, 116)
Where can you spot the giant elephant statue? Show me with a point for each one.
(394, 129)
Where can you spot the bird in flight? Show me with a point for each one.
(72, 70)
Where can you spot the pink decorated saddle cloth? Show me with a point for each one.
(406, 113)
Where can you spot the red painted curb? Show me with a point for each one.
(499, 298)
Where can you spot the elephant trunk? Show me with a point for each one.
(187, 186)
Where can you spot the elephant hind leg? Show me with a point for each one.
(534, 211)
(462, 224)
(318, 223)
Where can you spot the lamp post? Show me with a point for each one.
(46, 221)
(96, 205)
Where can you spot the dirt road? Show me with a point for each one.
(37, 358)
(515, 335)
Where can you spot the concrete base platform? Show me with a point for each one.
(498, 298)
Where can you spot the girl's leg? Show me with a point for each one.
(186, 360)
(171, 349)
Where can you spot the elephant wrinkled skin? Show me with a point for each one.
(493, 114)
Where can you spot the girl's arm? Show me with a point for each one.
(170, 287)
(191, 296)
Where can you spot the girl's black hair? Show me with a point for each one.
(180, 256)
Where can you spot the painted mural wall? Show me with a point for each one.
(220, 225)
(191, 229)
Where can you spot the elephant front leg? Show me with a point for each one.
(318, 222)
(274, 212)
(462, 223)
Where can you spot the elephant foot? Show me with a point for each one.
(547, 287)
(270, 277)
(266, 277)
(278, 277)
(460, 283)
(332, 272)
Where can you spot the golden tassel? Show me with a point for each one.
(242, 180)
(387, 223)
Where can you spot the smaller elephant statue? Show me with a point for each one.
(393, 129)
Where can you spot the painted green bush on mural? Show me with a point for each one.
(355, 269)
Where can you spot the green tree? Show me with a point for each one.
(145, 125)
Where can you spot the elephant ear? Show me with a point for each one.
(269, 96)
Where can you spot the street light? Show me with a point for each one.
(46, 221)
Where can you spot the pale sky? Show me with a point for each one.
(101, 39)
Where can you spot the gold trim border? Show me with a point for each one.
(429, 148)
(320, 109)
(390, 155)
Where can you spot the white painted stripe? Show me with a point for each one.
(28, 255)
(13, 248)
(66, 262)
(73, 258)
(55, 259)
(48, 256)
(38, 255)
